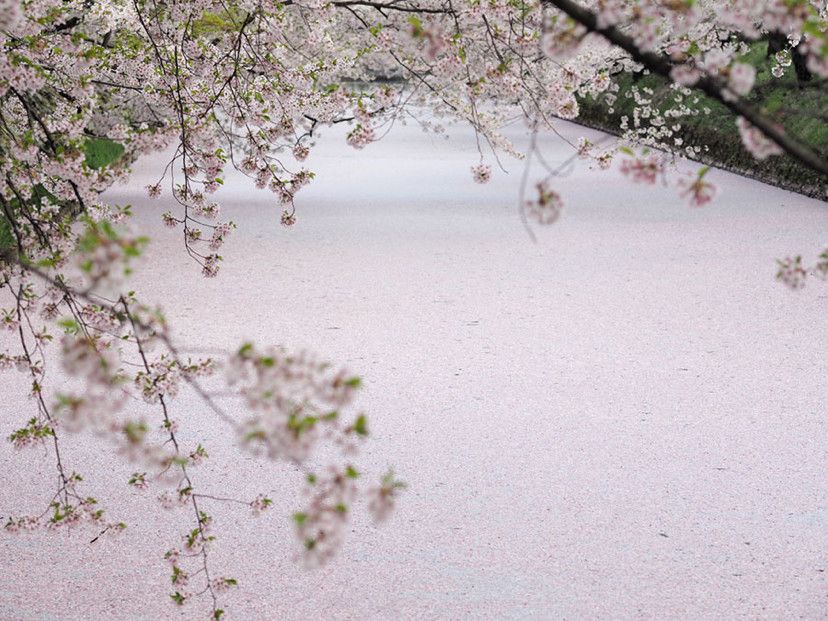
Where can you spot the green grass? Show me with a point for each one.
(101, 152)
(6, 237)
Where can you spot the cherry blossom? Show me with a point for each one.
(548, 205)
(698, 191)
(755, 141)
(481, 173)
(792, 273)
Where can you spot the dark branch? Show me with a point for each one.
(390, 6)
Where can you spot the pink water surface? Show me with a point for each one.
(624, 420)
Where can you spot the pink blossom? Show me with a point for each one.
(34, 433)
(171, 556)
(382, 499)
(643, 169)
(783, 58)
(699, 192)
(758, 145)
(288, 219)
(248, 95)
(210, 267)
(209, 212)
(300, 152)
(791, 272)
(222, 585)
(547, 207)
(10, 14)
(360, 137)
(584, 148)
(821, 267)
(481, 173)
(817, 64)
(220, 234)
(260, 504)
(715, 60)
(741, 78)
(8, 320)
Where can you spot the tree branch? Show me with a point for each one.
(390, 6)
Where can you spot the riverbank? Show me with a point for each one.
(695, 119)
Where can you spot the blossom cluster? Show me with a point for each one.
(295, 400)
(793, 272)
(759, 145)
(482, 173)
(547, 207)
(643, 169)
(321, 525)
(698, 191)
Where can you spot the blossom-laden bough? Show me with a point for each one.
(87, 86)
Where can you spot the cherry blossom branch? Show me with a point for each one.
(136, 323)
(392, 6)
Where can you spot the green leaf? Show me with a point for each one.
(360, 426)
(70, 326)
(416, 27)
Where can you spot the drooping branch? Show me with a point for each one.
(391, 6)
(660, 64)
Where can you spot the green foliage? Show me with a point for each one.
(32, 431)
(6, 237)
(178, 598)
(361, 426)
(217, 24)
(39, 196)
(101, 152)
(757, 55)
(416, 27)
